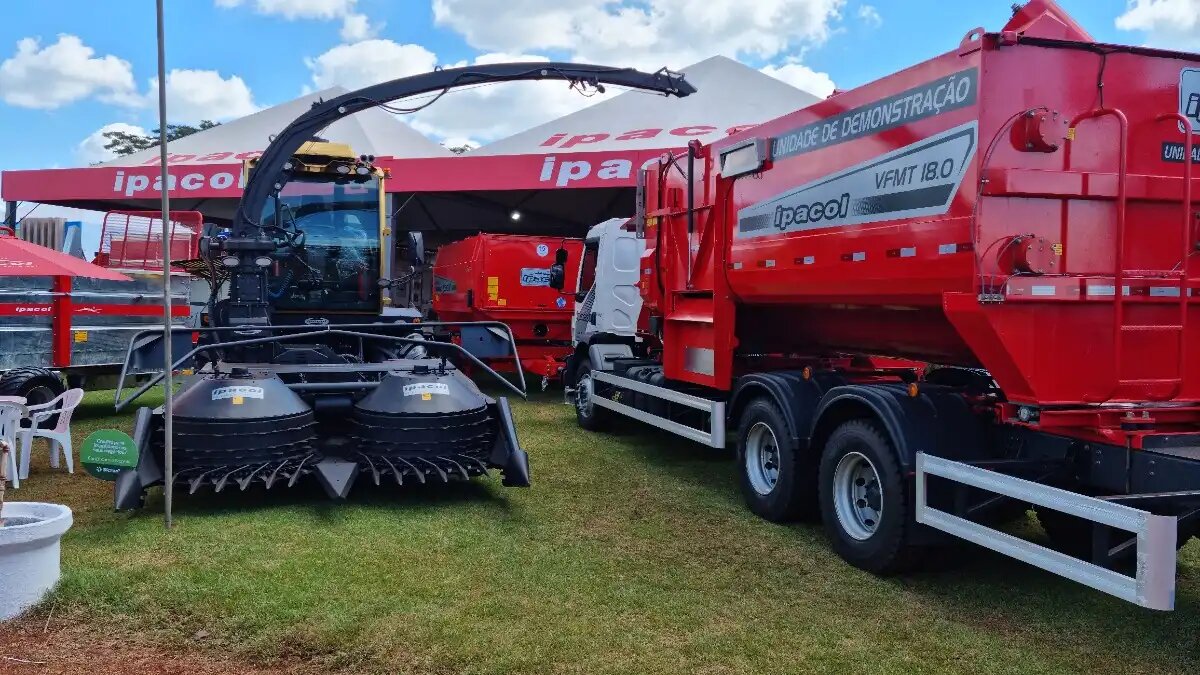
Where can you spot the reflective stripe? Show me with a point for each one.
(858, 256)
(808, 260)
(908, 252)
(1164, 292)
(1106, 290)
(737, 265)
(1043, 291)
(770, 263)
(946, 249)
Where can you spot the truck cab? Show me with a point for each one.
(608, 299)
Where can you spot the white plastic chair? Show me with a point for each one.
(11, 414)
(59, 437)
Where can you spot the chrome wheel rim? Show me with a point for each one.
(762, 458)
(857, 496)
(583, 395)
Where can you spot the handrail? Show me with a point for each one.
(1122, 207)
(309, 331)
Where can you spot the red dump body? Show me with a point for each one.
(978, 209)
(502, 277)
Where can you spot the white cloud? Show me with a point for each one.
(355, 26)
(642, 33)
(475, 113)
(802, 77)
(194, 95)
(870, 16)
(64, 72)
(1169, 24)
(369, 62)
(91, 149)
(297, 9)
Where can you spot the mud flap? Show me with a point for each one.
(507, 454)
(129, 491)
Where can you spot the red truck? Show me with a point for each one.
(506, 278)
(1030, 242)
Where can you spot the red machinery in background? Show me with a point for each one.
(506, 278)
(55, 326)
(1033, 236)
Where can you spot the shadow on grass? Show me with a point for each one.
(974, 586)
(307, 495)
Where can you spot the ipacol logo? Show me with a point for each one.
(1189, 96)
(32, 309)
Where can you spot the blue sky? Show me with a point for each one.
(236, 55)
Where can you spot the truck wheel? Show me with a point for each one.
(36, 385)
(865, 501)
(776, 483)
(588, 415)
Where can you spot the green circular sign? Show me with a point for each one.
(106, 452)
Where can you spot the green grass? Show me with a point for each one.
(632, 553)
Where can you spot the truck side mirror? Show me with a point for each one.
(416, 248)
(558, 271)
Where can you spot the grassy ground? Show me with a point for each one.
(632, 553)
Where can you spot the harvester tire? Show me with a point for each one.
(777, 484)
(35, 385)
(588, 415)
(865, 502)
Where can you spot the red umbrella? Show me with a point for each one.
(19, 258)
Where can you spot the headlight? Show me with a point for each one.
(230, 261)
(263, 261)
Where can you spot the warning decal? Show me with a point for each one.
(916, 180)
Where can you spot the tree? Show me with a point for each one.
(124, 143)
(459, 149)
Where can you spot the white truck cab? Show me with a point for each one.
(608, 301)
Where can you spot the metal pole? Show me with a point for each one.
(168, 384)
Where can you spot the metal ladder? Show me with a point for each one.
(1150, 388)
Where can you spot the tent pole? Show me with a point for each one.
(168, 384)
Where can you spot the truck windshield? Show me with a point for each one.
(337, 269)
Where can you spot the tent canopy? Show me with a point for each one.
(561, 177)
(570, 173)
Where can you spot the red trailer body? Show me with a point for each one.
(501, 277)
(958, 213)
(1017, 212)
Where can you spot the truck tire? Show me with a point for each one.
(588, 415)
(777, 483)
(865, 502)
(36, 385)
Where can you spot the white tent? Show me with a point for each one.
(581, 169)
(729, 95)
(370, 132)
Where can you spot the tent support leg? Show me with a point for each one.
(10, 215)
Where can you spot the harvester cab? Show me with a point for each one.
(306, 371)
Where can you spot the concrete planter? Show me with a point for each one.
(29, 553)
